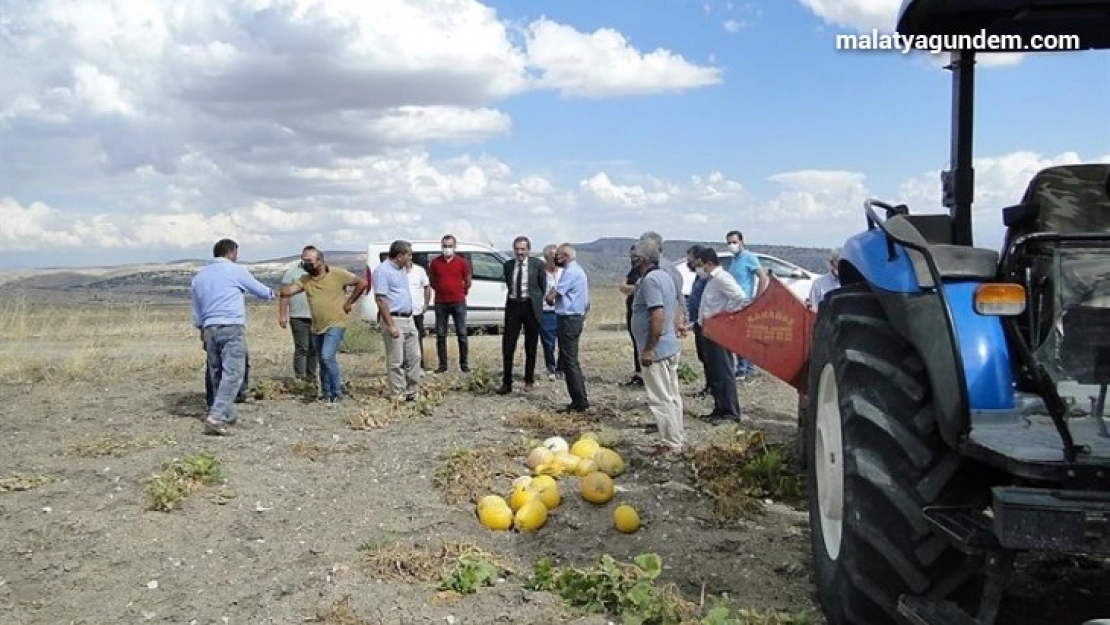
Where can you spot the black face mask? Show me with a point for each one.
(559, 262)
(307, 266)
(690, 266)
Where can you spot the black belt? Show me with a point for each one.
(401, 314)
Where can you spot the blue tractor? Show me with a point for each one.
(955, 398)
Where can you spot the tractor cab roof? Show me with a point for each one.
(1089, 19)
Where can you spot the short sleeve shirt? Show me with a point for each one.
(744, 268)
(656, 290)
(326, 297)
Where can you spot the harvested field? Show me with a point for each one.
(364, 512)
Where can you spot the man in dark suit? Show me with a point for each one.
(525, 277)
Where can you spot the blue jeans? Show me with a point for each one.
(327, 346)
(547, 337)
(226, 346)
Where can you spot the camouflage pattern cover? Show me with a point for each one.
(1071, 198)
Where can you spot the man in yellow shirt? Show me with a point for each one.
(325, 287)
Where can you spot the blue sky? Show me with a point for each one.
(145, 135)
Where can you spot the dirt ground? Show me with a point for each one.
(92, 409)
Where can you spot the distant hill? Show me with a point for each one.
(605, 261)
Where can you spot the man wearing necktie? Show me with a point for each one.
(526, 283)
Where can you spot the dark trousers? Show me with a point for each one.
(628, 324)
(519, 314)
(699, 347)
(419, 321)
(210, 384)
(457, 312)
(722, 381)
(568, 329)
(305, 365)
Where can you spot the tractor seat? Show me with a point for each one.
(953, 261)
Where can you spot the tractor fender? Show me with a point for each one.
(965, 354)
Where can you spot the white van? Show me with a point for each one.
(486, 299)
(797, 279)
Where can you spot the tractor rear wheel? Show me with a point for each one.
(875, 458)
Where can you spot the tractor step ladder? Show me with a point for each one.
(970, 531)
(925, 611)
(967, 529)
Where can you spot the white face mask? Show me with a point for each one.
(702, 272)
(734, 248)
(448, 252)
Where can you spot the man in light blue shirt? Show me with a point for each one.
(571, 299)
(746, 268)
(654, 309)
(399, 334)
(221, 316)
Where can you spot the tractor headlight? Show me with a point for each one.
(1000, 299)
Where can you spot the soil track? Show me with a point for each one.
(284, 537)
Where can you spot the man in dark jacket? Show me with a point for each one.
(527, 283)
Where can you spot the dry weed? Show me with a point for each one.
(315, 451)
(468, 475)
(740, 471)
(547, 423)
(410, 563)
(340, 613)
(116, 446)
(23, 482)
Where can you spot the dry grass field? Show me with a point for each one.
(116, 508)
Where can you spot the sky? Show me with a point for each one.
(145, 134)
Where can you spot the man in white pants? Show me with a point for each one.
(394, 299)
(654, 307)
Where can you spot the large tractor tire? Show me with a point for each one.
(875, 458)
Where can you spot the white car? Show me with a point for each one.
(486, 299)
(797, 279)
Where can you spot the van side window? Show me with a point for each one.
(486, 267)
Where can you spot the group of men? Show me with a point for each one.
(547, 301)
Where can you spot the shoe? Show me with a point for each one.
(441, 370)
(213, 425)
(723, 418)
(551, 377)
(635, 380)
(656, 450)
(464, 368)
(504, 390)
(573, 408)
(410, 397)
(529, 387)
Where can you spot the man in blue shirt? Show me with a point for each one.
(747, 269)
(220, 314)
(654, 309)
(571, 299)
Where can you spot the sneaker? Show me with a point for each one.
(551, 377)
(215, 425)
(635, 380)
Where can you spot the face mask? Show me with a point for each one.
(734, 248)
(702, 272)
(559, 262)
(691, 267)
(448, 252)
(307, 266)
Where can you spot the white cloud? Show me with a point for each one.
(483, 199)
(604, 64)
